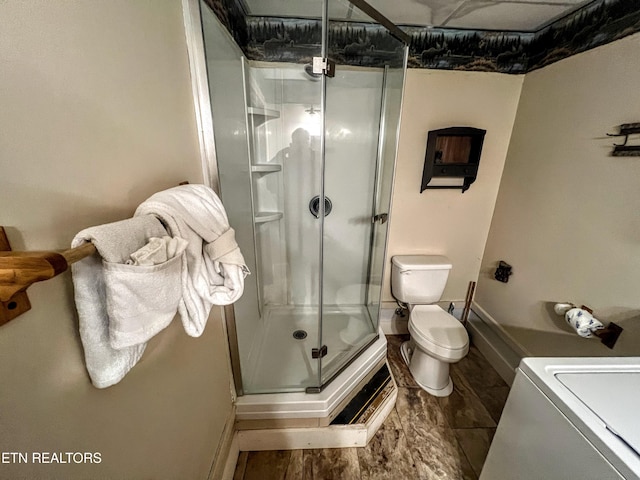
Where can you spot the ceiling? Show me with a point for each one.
(509, 15)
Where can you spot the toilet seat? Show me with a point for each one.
(438, 332)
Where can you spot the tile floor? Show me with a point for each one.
(424, 437)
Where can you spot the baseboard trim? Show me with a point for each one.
(227, 453)
(338, 436)
(514, 344)
(332, 436)
(500, 350)
(232, 459)
(392, 324)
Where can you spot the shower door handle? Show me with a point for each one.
(380, 217)
(314, 206)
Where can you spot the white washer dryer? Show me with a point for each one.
(569, 418)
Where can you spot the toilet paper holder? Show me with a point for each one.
(608, 335)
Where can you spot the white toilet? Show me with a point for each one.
(437, 338)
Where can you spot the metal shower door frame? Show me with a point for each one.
(397, 33)
(200, 90)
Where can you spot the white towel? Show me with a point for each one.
(115, 242)
(143, 295)
(158, 251)
(213, 266)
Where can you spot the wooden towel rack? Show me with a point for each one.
(18, 270)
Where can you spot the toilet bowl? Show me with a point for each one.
(437, 338)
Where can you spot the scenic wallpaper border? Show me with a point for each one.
(274, 39)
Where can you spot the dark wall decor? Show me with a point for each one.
(369, 45)
(283, 39)
(298, 40)
(601, 22)
(452, 153)
(233, 16)
(476, 50)
(622, 149)
(365, 44)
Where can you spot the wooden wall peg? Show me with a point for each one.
(18, 303)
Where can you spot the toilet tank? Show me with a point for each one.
(419, 279)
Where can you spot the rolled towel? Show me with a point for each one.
(157, 251)
(213, 268)
(583, 322)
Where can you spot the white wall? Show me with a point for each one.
(97, 114)
(567, 218)
(446, 222)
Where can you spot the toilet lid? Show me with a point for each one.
(430, 323)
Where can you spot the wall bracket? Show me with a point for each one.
(622, 149)
(19, 270)
(609, 335)
(324, 66)
(19, 302)
(503, 272)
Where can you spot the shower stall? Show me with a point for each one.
(306, 118)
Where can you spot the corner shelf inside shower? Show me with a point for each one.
(267, 195)
(263, 217)
(266, 168)
(258, 116)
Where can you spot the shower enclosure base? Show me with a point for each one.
(281, 359)
(356, 434)
(312, 409)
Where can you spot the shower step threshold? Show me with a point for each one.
(367, 401)
(352, 428)
(264, 217)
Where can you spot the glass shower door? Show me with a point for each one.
(284, 109)
(358, 169)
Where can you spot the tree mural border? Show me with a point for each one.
(294, 40)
